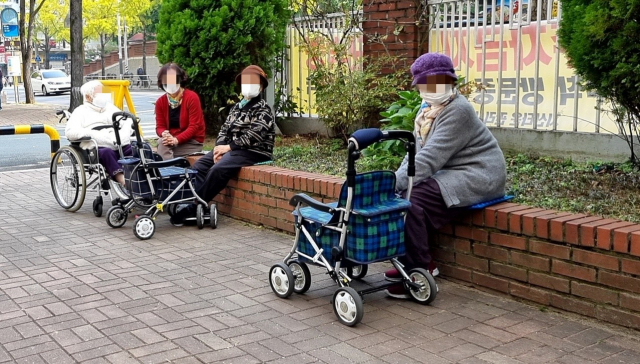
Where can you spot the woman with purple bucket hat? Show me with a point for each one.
(458, 163)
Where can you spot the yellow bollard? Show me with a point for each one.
(34, 129)
(120, 91)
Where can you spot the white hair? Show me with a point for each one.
(89, 88)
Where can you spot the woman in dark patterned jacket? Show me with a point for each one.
(246, 138)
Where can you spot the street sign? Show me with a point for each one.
(9, 19)
(13, 65)
(38, 59)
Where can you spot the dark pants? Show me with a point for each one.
(427, 214)
(213, 178)
(109, 159)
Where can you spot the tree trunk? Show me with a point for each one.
(77, 54)
(102, 36)
(47, 50)
(144, 48)
(25, 50)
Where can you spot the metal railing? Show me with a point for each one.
(136, 81)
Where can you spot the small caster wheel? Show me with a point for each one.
(97, 206)
(144, 227)
(357, 271)
(281, 280)
(301, 275)
(200, 216)
(347, 305)
(428, 288)
(116, 217)
(213, 216)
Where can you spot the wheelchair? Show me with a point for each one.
(74, 171)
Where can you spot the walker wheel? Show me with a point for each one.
(347, 305)
(213, 216)
(302, 276)
(428, 290)
(116, 216)
(97, 206)
(281, 280)
(144, 227)
(200, 216)
(357, 271)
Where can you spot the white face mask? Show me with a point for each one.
(171, 88)
(250, 91)
(99, 102)
(442, 94)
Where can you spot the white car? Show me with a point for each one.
(50, 81)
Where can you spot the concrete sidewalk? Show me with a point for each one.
(21, 114)
(74, 290)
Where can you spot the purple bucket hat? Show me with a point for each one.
(431, 64)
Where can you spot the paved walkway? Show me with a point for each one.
(12, 114)
(74, 290)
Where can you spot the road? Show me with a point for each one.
(33, 151)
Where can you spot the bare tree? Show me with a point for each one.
(77, 54)
(26, 46)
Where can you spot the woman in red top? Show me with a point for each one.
(179, 119)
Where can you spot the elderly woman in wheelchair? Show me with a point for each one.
(92, 127)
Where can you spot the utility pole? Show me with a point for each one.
(77, 53)
(120, 46)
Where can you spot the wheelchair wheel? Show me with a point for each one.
(97, 206)
(68, 180)
(213, 216)
(144, 227)
(301, 275)
(116, 217)
(357, 271)
(428, 290)
(281, 280)
(200, 216)
(347, 305)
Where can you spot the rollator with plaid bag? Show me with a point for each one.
(366, 225)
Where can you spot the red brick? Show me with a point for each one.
(630, 301)
(635, 244)
(618, 317)
(573, 305)
(261, 189)
(270, 201)
(280, 214)
(462, 245)
(490, 213)
(463, 231)
(515, 219)
(596, 259)
(462, 274)
(477, 217)
(594, 293)
(472, 262)
(530, 261)
(556, 226)
(530, 293)
(508, 241)
(268, 221)
(446, 241)
(276, 192)
(572, 228)
(405, 4)
(549, 249)
(588, 231)
(442, 255)
(386, 7)
(285, 225)
(619, 281)
(604, 234)
(551, 282)
(447, 229)
(631, 266)
(508, 271)
(528, 221)
(254, 208)
(502, 220)
(572, 270)
(542, 223)
(484, 280)
(622, 238)
(480, 235)
(491, 252)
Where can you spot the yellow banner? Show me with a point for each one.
(466, 51)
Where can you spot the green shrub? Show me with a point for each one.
(213, 40)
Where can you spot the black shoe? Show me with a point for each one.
(183, 212)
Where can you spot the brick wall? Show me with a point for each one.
(395, 20)
(583, 264)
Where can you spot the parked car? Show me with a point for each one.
(50, 81)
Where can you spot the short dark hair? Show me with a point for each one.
(181, 75)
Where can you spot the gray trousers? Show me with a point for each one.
(182, 150)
